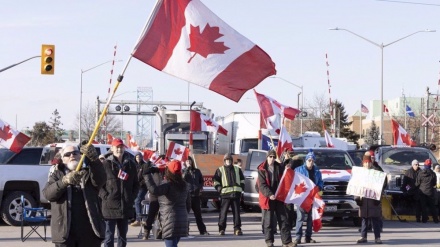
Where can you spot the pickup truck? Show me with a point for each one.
(335, 166)
(25, 173)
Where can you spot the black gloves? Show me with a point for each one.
(151, 170)
(73, 178)
(90, 152)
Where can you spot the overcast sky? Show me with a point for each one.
(294, 33)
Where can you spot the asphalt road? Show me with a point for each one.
(335, 233)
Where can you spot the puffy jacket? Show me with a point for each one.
(194, 178)
(318, 175)
(266, 186)
(426, 181)
(118, 195)
(60, 196)
(173, 204)
(229, 181)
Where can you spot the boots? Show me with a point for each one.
(146, 234)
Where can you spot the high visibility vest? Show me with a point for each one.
(230, 188)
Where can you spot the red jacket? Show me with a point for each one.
(268, 188)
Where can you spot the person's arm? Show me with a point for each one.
(264, 187)
(54, 187)
(217, 180)
(157, 190)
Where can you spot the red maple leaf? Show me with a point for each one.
(300, 188)
(321, 210)
(177, 151)
(208, 122)
(203, 43)
(4, 133)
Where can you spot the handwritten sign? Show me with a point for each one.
(366, 183)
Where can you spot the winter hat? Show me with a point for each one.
(427, 163)
(310, 155)
(271, 153)
(367, 157)
(415, 162)
(175, 167)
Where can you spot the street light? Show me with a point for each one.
(81, 93)
(302, 97)
(381, 46)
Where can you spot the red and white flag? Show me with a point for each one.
(177, 152)
(148, 154)
(185, 39)
(400, 136)
(270, 107)
(131, 142)
(385, 109)
(157, 161)
(109, 138)
(284, 142)
(328, 138)
(317, 212)
(201, 122)
(12, 139)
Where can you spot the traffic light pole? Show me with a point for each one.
(10, 66)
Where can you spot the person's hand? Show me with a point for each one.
(89, 151)
(272, 197)
(320, 193)
(73, 178)
(151, 170)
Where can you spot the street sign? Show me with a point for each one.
(428, 120)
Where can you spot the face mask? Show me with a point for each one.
(72, 165)
(227, 162)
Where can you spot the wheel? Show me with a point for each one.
(357, 221)
(11, 209)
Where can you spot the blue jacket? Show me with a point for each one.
(318, 176)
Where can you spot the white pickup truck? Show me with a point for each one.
(26, 174)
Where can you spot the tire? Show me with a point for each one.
(357, 221)
(11, 209)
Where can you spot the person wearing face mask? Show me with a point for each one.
(229, 181)
(310, 170)
(194, 178)
(76, 216)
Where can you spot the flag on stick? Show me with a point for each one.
(409, 111)
(364, 109)
(201, 122)
(284, 142)
(11, 138)
(400, 136)
(177, 152)
(185, 39)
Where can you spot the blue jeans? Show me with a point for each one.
(300, 217)
(172, 242)
(137, 202)
(110, 232)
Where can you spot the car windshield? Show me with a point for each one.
(5, 155)
(327, 159)
(404, 156)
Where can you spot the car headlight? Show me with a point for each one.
(394, 181)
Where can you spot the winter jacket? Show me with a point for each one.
(318, 175)
(118, 195)
(157, 175)
(140, 173)
(426, 181)
(408, 183)
(174, 201)
(229, 181)
(266, 185)
(60, 197)
(194, 178)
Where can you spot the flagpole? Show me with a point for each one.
(118, 82)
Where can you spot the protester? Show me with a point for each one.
(291, 161)
(238, 163)
(194, 178)
(158, 174)
(141, 166)
(426, 181)
(269, 176)
(229, 181)
(437, 173)
(311, 171)
(410, 190)
(76, 216)
(369, 209)
(174, 202)
(118, 193)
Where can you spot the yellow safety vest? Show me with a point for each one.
(227, 188)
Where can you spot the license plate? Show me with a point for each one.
(331, 208)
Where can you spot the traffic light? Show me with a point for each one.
(47, 59)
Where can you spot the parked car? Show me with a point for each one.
(335, 166)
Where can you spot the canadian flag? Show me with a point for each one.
(185, 39)
(385, 109)
(328, 138)
(148, 154)
(177, 152)
(109, 138)
(270, 107)
(157, 161)
(201, 122)
(300, 190)
(132, 144)
(400, 136)
(12, 139)
(284, 142)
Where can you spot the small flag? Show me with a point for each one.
(409, 111)
(385, 109)
(364, 109)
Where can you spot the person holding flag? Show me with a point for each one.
(269, 176)
(313, 173)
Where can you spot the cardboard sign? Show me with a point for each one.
(366, 183)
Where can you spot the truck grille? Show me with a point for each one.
(335, 188)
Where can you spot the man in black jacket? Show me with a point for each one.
(410, 190)
(426, 181)
(141, 166)
(118, 193)
(72, 222)
(194, 178)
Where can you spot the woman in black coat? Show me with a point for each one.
(173, 203)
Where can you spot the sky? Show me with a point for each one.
(295, 34)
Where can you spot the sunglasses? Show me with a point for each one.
(271, 156)
(70, 153)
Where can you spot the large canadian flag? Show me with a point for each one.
(201, 122)
(270, 107)
(185, 39)
(177, 152)
(284, 142)
(400, 136)
(12, 139)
